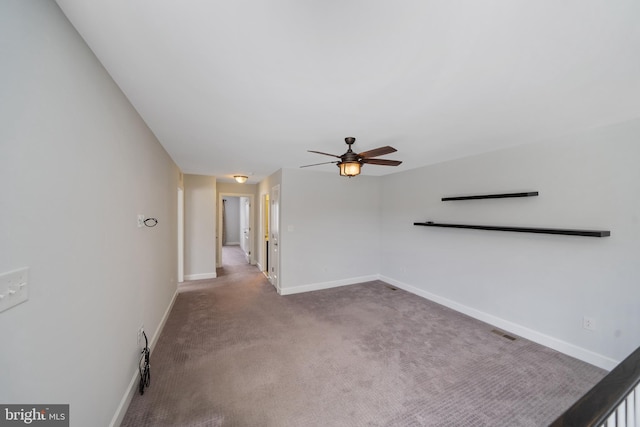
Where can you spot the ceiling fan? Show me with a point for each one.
(350, 162)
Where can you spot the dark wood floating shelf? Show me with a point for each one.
(492, 196)
(567, 232)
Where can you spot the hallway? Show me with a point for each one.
(233, 255)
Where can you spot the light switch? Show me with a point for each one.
(14, 288)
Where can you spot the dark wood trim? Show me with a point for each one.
(563, 231)
(603, 399)
(491, 196)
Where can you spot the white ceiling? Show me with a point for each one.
(247, 86)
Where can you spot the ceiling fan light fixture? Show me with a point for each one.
(350, 163)
(349, 168)
(241, 179)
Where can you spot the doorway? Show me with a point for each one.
(235, 217)
(233, 226)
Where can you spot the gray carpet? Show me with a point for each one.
(232, 256)
(234, 353)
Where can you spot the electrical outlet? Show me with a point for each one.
(589, 323)
(140, 336)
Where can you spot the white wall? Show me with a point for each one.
(200, 227)
(329, 229)
(539, 285)
(235, 188)
(232, 220)
(77, 165)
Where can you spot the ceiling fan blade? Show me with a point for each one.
(316, 164)
(382, 162)
(326, 154)
(381, 151)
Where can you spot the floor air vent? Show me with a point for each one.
(503, 335)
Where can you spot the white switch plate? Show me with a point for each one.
(140, 220)
(14, 288)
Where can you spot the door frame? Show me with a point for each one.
(180, 236)
(252, 215)
(274, 238)
(263, 230)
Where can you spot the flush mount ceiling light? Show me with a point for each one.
(350, 162)
(240, 178)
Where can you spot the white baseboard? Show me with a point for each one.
(537, 337)
(133, 385)
(200, 276)
(232, 244)
(327, 285)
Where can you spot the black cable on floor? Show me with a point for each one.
(144, 366)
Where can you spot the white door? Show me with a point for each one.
(264, 233)
(245, 215)
(274, 241)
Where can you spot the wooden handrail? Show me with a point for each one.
(597, 405)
